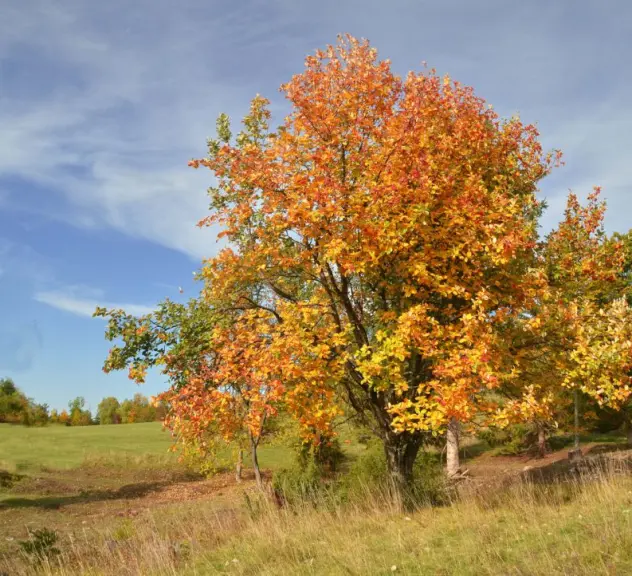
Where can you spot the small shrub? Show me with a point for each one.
(312, 477)
(299, 484)
(509, 441)
(430, 486)
(326, 456)
(8, 480)
(369, 469)
(364, 438)
(124, 531)
(205, 459)
(40, 545)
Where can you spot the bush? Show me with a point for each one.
(326, 456)
(298, 484)
(369, 475)
(509, 441)
(312, 476)
(40, 546)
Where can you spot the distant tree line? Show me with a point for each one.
(17, 408)
(138, 409)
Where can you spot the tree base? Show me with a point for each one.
(459, 475)
(575, 454)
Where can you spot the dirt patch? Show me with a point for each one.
(487, 471)
(45, 486)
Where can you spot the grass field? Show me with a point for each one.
(27, 450)
(61, 447)
(121, 503)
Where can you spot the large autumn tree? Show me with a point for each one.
(375, 239)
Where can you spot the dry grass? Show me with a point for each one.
(568, 525)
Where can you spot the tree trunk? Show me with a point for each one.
(576, 403)
(240, 465)
(576, 453)
(401, 452)
(255, 461)
(541, 440)
(453, 465)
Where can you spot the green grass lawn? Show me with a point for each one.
(30, 450)
(26, 450)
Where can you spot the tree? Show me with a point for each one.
(64, 418)
(36, 414)
(219, 389)
(77, 415)
(13, 403)
(376, 239)
(126, 412)
(108, 411)
(577, 339)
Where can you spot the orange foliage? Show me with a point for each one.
(376, 240)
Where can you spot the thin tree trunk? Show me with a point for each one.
(453, 465)
(255, 461)
(576, 452)
(239, 466)
(401, 453)
(576, 403)
(541, 440)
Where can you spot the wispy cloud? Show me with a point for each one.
(118, 100)
(68, 301)
(103, 104)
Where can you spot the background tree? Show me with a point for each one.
(78, 416)
(13, 403)
(36, 414)
(126, 412)
(575, 341)
(108, 411)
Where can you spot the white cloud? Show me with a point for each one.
(68, 301)
(108, 101)
(120, 97)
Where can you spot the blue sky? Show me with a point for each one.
(103, 103)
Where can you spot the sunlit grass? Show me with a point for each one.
(579, 528)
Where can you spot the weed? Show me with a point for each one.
(40, 545)
(124, 531)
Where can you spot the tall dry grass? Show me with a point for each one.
(576, 524)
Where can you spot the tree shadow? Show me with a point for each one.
(127, 492)
(597, 463)
(608, 448)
